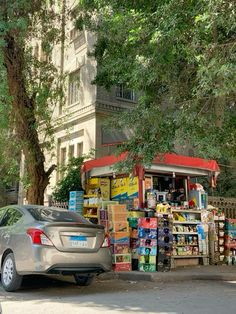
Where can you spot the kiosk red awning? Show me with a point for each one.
(183, 164)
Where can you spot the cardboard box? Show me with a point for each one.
(76, 195)
(120, 248)
(121, 258)
(118, 226)
(122, 267)
(119, 237)
(150, 223)
(118, 216)
(114, 208)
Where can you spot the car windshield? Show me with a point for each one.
(51, 214)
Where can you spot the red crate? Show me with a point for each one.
(150, 223)
(122, 267)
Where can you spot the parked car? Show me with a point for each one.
(46, 240)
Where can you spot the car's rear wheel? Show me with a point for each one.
(11, 280)
(83, 280)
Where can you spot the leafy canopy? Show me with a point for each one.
(180, 56)
(28, 32)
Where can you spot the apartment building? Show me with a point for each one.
(78, 122)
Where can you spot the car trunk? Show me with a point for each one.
(75, 237)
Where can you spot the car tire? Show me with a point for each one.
(11, 280)
(83, 280)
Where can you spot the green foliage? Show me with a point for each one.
(27, 25)
(71, 180)
(181, 56)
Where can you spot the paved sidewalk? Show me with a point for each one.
(222, 272)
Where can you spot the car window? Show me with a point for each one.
(51, 214)
(11, 217)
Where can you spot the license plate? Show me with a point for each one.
(78, 241)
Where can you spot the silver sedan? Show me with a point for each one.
(45, 240)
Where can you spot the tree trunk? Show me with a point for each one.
(23, 110)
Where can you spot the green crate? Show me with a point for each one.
(147, 267)
(133, 222)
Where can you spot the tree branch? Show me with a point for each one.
(50, 170)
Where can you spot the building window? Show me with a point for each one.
(63, 156)
(71, 151)
(124, 93)
(78, 38)
(73, 90)
(80, 149)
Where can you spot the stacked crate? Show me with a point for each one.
(76, 201)
(103, 214)
(147, 232)
(119, 236)
(134, 241)
(165, 242)
(230, 241)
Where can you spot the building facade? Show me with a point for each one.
(78, 122)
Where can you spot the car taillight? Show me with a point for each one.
(106, 241)
(38, 237)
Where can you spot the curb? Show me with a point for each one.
(166, 277)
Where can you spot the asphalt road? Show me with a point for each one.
(44, 296)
